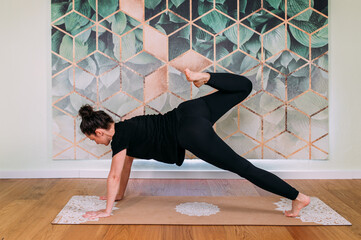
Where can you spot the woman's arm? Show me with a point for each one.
(113, 181)
(125, 176)
(123, 179)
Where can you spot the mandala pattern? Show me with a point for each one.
(197, 209)
(317, 212)
(77, 206)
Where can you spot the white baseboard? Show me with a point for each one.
(168, 174)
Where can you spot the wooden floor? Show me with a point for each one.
(27, 207)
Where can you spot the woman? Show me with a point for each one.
(189, 126)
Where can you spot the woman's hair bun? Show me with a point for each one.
(86, 111)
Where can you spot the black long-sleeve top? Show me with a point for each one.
(149, 137)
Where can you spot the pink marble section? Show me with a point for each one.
(155, 84)
(155, 43)
(134, 8)
(192, 60)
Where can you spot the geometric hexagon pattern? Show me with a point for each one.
(126, 57)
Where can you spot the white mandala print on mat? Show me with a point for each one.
(77, 206)
(317, 212)
(197, 209)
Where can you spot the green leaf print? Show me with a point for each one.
(152, 4)
(177, 3)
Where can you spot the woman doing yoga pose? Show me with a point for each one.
(188, 126)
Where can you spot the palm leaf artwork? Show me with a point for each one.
(128, 59)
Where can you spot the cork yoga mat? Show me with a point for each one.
(199, 210)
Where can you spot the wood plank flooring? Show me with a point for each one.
(27, 207)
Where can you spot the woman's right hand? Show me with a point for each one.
(117, 198)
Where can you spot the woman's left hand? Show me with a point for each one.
(96, 214)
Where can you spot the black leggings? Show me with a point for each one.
(196, 134)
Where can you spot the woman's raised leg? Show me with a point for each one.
(232, 89)
(197, 135)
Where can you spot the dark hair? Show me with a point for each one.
(91, 120)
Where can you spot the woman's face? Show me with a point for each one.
(99, 138)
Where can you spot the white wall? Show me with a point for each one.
(25, 63)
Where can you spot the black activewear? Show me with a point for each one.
(194, 120)
(196, 134)
(149, 137)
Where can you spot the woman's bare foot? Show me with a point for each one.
(198, 78)
(117, 198)
(300, 202)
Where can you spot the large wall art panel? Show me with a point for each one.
(127, 57)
